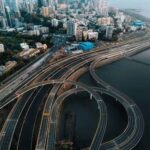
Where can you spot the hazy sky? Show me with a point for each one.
(139, 4)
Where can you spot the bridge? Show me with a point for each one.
(135, 127)
(64, 69)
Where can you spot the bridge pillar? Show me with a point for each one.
(91, 96)
(76, 93)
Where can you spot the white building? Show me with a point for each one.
(55, 22)
(24, 46)
(44, 30)
(2, 49)
(34, 32)
(77, 52)
(41, 46)
(92, 35)
(121, 16)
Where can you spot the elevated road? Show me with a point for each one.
(102, 122)
(135, 128)
(22, 103)
(10, 87)
(43, 134)
(97, 139)
(26, 77)
(65, 68)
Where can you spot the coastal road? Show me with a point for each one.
(48, 91)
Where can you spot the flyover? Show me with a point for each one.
(127, 140)
(135, 128)
(8, 130)
(101, 59)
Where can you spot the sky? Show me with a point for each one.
(143, 5)
(139, 4)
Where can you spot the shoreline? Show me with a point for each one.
(136, 13)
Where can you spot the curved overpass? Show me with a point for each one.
(54, 120)
(135, 128)
(12, 121)
(130, 106)
(102, 109)
(44, 129)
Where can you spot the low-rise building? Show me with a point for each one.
(2, 70)
(41, 46)
(86, 46)
(2, 49)
(77, 51)
(29, 53)
(105, 21)
(55, 22)
(9, 65)
(92, 35)
(44, 30)
(33, 32)
(24, 46)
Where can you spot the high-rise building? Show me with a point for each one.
(39, 3)
(8, 16)
(45, 11)
(3, 22)
(101, 7)
(2, 7)
(71, 28)
(28, 6)
(14, 7)
(45, 3)
(3, 19)
(12, 11)
(109, 32)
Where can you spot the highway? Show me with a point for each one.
(31, 73)
(54, 115)
(10, 87)
(23, 76)
(17, 112)
(53, 83)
